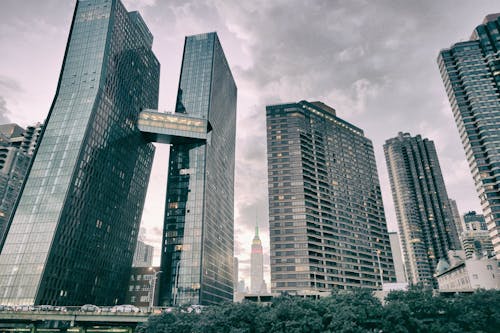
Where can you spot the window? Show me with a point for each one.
(474, 276)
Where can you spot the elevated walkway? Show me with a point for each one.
(172, 128)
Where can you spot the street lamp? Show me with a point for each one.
(152, 283)
(379, 268)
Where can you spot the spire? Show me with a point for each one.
(256, 231)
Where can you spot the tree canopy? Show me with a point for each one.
(352, 311)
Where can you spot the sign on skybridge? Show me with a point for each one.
(172, 128)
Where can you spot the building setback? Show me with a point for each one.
(423, 211)
(198, 240)
(471, 74)
(326, 217)
(74, 230)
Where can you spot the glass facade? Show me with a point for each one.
(74, 230)
(197, 253)
(425, 219)
(326, 217)
(471, 74)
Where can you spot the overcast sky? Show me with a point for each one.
(373, 61)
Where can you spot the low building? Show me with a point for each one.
(468, 274)
(141, 285)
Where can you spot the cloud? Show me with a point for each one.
(4, 118)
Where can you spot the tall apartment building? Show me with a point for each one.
(257, 283)
(471, 74)
(198, 239)
(326, 217)
(423, 211)
(31, 136)
(74, 229)
(16, 151)
(475, 238)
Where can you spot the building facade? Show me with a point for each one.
(197, 247)
(326, 217)
(257, 283)
(424, 215)
(74, 229)
(471, 76)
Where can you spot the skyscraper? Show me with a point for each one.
(459, 223)
(73, 232)
(471, 75)
(424, 215)
(326, 217)
(257, 284)
(197, 253)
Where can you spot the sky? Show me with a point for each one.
(373, 61)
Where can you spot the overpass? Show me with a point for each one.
(71, 321)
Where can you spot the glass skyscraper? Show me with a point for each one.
(425, 219)
(326, 217)
(73, 232)
(197, 247)
(471, 75)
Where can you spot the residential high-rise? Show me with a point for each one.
(326, 217)
(397, 257)
(13, 166)
(471, 75)
(31, 136)
(197, 247)
(475, 238)
(16, 150)
(257, 284)
(74, 229)
(424, 215)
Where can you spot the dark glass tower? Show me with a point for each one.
(326, 217)
(471, 75)
(73, 234)
(425, 219)
(197, 253)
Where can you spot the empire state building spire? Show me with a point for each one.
(257, 284)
